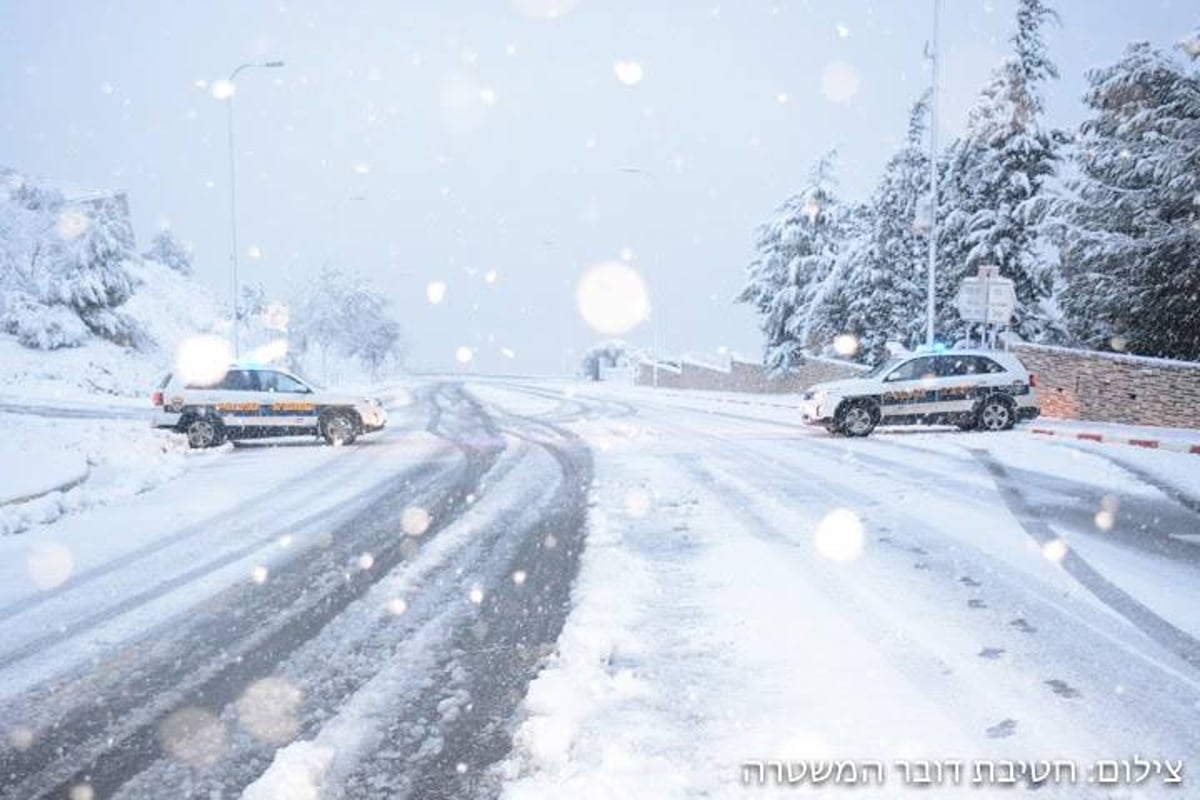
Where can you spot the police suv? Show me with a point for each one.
(973, 389)
(251, 402)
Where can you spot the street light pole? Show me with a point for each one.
(931, 284)
(228, 91)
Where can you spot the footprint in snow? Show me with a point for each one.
(1002, 729)
(991, 653)
(967, 580)
(975, 602)
(1024, 627)
(920, 565)
(1062, 688)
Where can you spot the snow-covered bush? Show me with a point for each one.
(41, 326)
(168, 251)
(607, 354)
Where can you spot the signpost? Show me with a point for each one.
(987, 298)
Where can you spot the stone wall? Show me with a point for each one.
(1109, 387)
(743, 376)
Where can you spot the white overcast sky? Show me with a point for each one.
(423, 141)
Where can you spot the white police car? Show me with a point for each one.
(251, 402)
(973, 389)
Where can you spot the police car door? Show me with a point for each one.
(287, 403)
(959, 381)
(910, 389)
(234, 399)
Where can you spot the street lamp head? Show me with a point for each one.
(273, 64)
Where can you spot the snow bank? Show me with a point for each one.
(120, 458)
(39, 473)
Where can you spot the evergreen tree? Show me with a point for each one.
(886, 282)
(996, 193)
(1131, 244)
(796, 253)
(63, 258)
(167, 250)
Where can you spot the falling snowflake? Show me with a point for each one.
(845, 345)
(223, 89)
(629, 73)
(1055, 550)
(50, 564)
(414, 520)
(839, 536)
(435, 291)
(396, 606)
(612, 298)
(839, 82)
(202, 360)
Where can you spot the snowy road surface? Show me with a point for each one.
(542, 590)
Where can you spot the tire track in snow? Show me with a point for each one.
(1160, 630)
(106, 745)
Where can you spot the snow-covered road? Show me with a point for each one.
(419, 616)
(754, 592)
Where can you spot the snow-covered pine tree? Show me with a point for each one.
(796, 250)
(168, 251)
(837, 304)
(61, 258)
(885, 281)
(997, 191)
(1131, 244)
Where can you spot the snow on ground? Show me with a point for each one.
(256, 504)
(96, 461)
(753, 592)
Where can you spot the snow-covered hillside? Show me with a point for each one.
(167, 307)
(81, 313)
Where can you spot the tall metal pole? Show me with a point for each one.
(931, 283)
(233, 231)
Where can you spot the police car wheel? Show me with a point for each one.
(203, 432)
(338, 428)
(857, 419)
(995, 415)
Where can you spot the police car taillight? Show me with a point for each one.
(1032, 381)
(156, 398)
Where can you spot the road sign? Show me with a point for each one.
(986, 298)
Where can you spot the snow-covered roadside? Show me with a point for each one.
(103, 461)
(796, 599)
